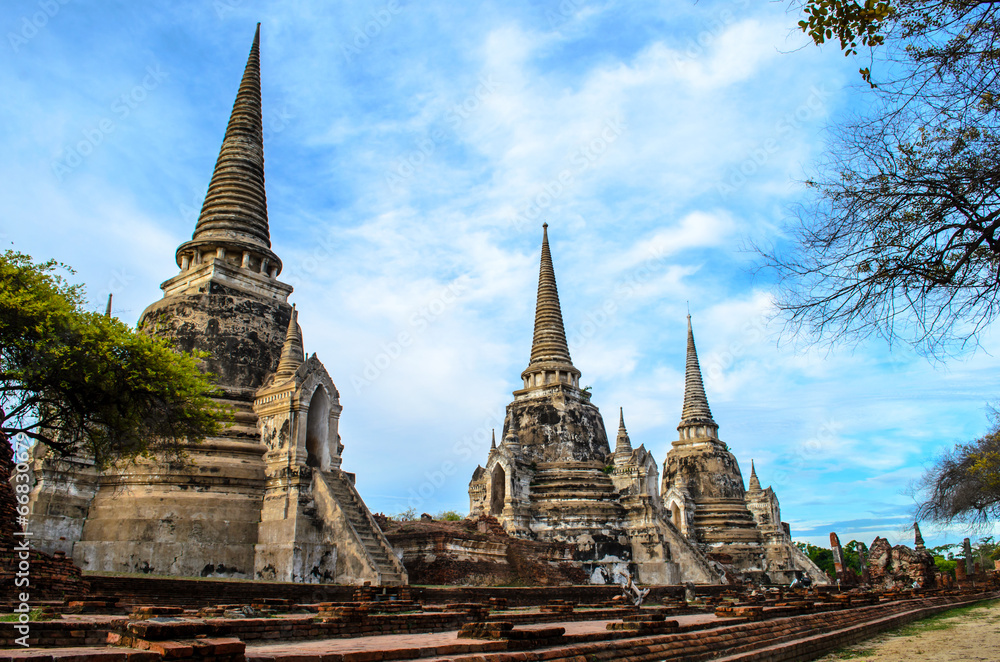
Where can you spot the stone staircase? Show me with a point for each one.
(576, 481)
(389, 567)
(574, 495)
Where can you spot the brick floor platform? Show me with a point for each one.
(768, 634)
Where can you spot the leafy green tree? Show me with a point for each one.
(85, 383)
(902, 237)
(852, 556)
(821, 556)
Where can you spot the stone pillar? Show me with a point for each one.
(918, 540)
(838, 558)
(967, 550)
(960, 575)
(865, 577)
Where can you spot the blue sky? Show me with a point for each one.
(413, 151)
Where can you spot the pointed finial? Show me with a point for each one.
(549, 350)
(107, 311)
(292, 353)
(234, 214)
(918, 540)
(695, 411)
(493, 444)
(623, 445)
(754, 482)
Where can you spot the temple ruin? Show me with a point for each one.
(267, 498)
(554, 478)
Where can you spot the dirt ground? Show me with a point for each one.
(969, 634)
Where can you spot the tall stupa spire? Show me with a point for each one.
(233, 221)
(696, 416)
(550, 361)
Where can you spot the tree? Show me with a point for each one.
(963, 485)
(821, 556)
(85, 383)
(902, 237)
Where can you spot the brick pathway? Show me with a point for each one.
(431, 644)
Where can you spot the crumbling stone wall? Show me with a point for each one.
(899, 566)
(47, 576)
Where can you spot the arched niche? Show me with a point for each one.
(498, 490)
(318, 430)
(677, 517)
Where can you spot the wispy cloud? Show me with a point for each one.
(414, 149)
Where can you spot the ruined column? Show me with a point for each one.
(967, 550)
(918, 540)
(838, 558)
(863, 556)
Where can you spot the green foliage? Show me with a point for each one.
(82, 382)
(945, 566)
(821, 556)
(407, 515)
(852, 556)
(449, 516)
(847, 20)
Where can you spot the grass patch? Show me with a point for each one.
(33, 615)
(853, 654)
(943, 620)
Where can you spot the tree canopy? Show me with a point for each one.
(901, 238)
(83, 382)
(963, 486)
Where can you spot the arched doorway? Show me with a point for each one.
(318, 429)
(675, 517)
(498, 490)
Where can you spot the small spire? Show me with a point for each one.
(695, 410)
(918, 540)
(549, 350)
(292, 353)
(754, 482)
(623, 445)
(107, 311)
(493, 444)
(234, 214)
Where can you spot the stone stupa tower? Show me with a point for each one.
(554, 477)
(702, 484)
(266, 498)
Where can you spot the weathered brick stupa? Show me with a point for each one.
(267, 498)
(704, 495)
(554, 477)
